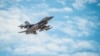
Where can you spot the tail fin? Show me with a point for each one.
(27, 23)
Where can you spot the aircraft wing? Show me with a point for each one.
(34, 32)
(33, 28)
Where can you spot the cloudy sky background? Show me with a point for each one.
(75, 32)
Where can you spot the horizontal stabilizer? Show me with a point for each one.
(22, 31)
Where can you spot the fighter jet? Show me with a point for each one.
(32, 28)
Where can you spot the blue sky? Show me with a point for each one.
(75, 32)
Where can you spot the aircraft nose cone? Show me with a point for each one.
(51, 16)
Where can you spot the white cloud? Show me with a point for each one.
(63, 2)
(85, 54)
(65, 9)
(29, 50)
(78, 27)
(86, 45)
(45, 44)
(67, 17)
(79, 4)
(98, 4)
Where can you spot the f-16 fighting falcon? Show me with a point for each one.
(32, 28)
